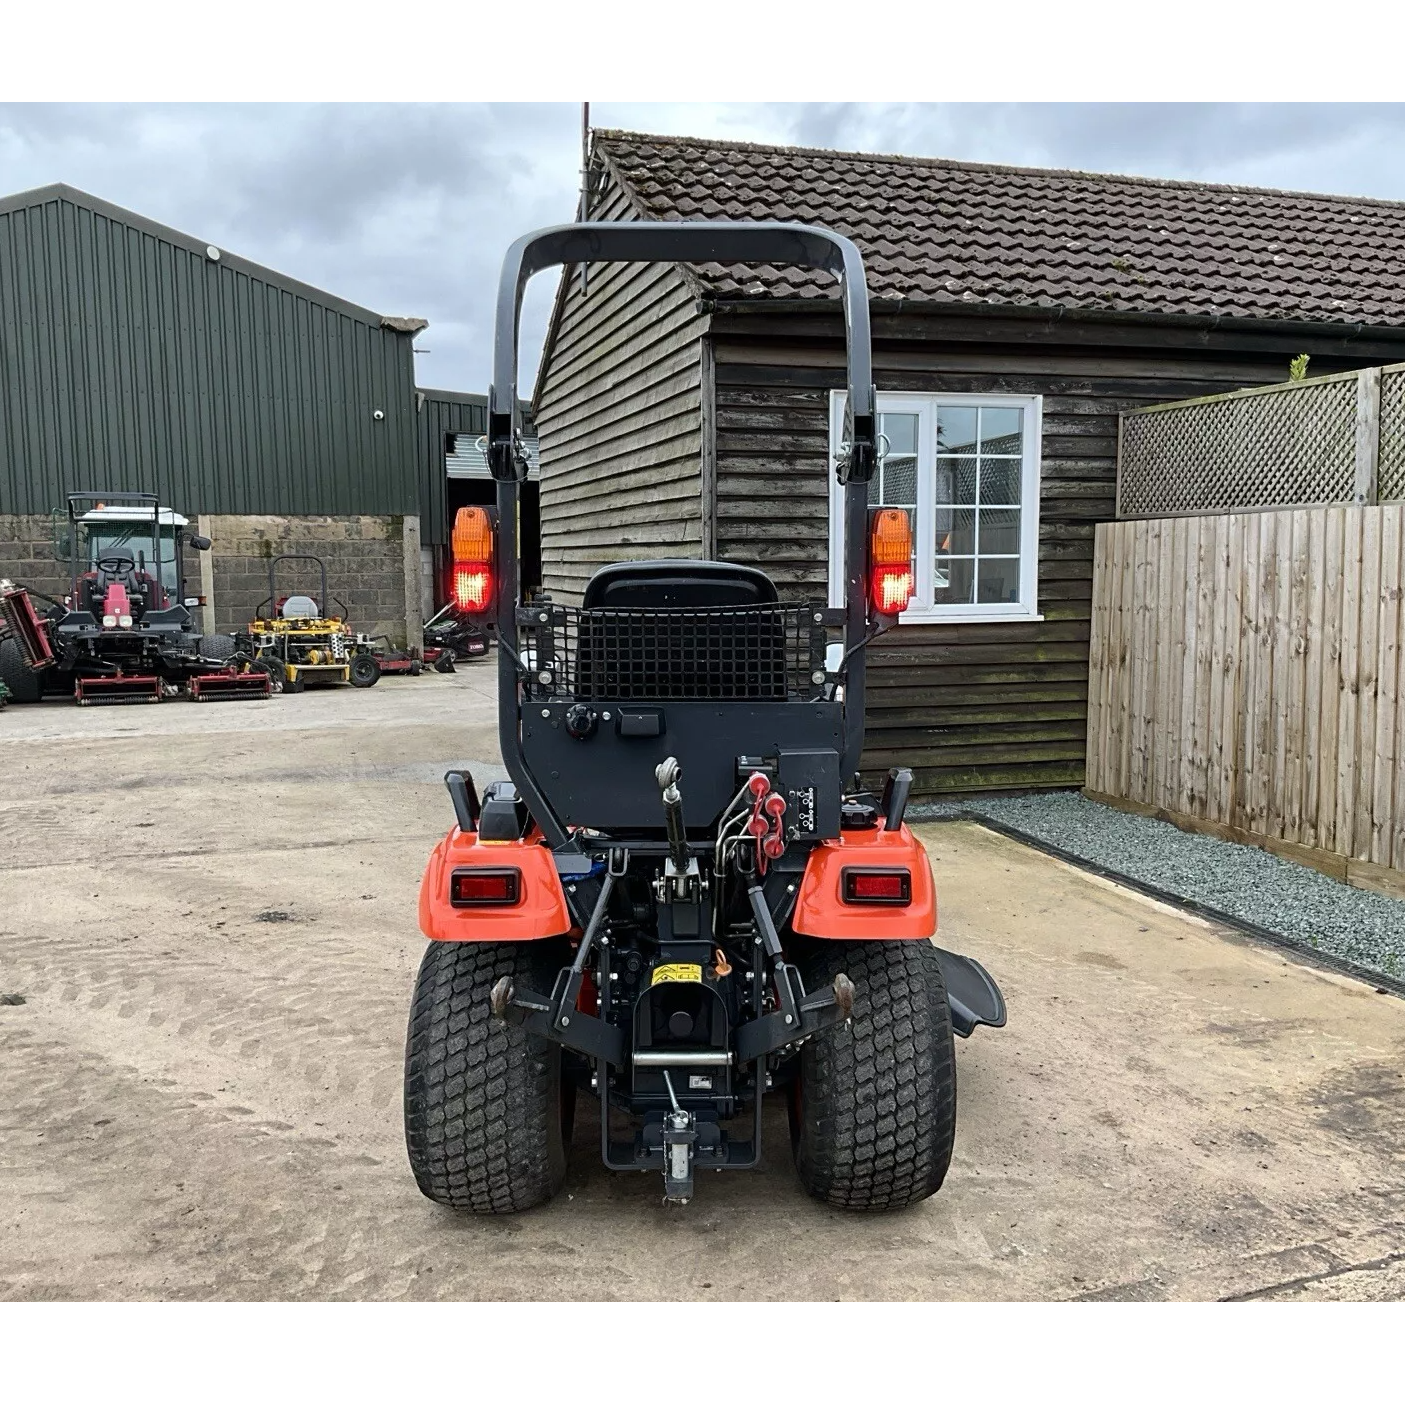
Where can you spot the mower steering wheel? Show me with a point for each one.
(115, 565)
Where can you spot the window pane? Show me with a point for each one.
(954, 581)
(1000, 531)
(1000, 481)
(1000, 430)
(999, 581)
(956, 430)
(899, 482)
(956, 531)
(900, 432)
(895, 483)
(956, 481)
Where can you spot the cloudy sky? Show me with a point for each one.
(407, 208)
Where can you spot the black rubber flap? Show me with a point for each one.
(973, 995)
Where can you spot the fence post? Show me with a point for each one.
(1368, 433)
(1121, 415)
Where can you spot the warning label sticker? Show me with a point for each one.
(676, 971)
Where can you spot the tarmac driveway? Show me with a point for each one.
(210, 914)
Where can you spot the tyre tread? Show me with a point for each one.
(483, 1105)
(877, 1119)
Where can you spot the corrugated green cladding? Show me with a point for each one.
(440, 414)
(130, 360)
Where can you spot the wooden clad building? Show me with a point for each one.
(694, 411)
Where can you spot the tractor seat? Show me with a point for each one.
(300, 607)
(739, 653)
(126, 574)
(685, 585)
(92, 586)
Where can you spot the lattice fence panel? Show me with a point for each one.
(1390, 471)
(1291, 445)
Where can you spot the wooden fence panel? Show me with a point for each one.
(1248, 677)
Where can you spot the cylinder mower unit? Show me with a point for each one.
(25, 647)
(302, 644)
(684, 897)
(124, 631)
(392, 661)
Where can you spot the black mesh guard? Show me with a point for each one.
(758, 653)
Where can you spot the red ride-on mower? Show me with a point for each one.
(124, 632)
(684, 899)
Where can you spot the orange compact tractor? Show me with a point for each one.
(684, 898)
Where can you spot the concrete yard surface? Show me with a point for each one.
(210, 914)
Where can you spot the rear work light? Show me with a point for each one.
(485, 887)
(884, 887)
(890, 561)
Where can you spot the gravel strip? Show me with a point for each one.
(1299, 904)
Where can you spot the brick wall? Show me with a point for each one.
(365, 559)
(366, 564)
(27, 554)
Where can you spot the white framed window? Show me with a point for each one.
(966, 467)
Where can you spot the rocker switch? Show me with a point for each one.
(580, 721)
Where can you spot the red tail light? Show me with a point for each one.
(485, 887)
(890, 561)
(891, 589)
(473, 588)
(885, 887)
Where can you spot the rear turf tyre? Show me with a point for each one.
(486, 1109)
(365, 671)
(873, 1108)
(25, 685)
(217, 648)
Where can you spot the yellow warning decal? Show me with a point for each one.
(676, 971)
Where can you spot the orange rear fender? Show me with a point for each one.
(820, 909)
(540, 909)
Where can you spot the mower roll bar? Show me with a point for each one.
(680, 241)
(322, 600)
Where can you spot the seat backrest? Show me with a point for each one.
(659, 630)
(300, 607)
(689, 585)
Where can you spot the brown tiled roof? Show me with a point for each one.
(954, 232)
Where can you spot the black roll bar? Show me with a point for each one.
(273, 589)
(679, 241)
